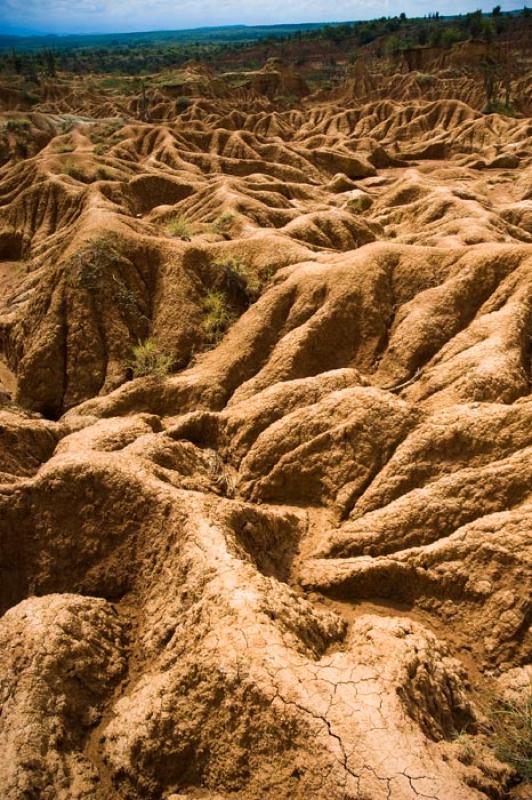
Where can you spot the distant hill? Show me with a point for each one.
(220, 35)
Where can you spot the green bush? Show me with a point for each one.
(425, 79)
(496, 107)
(150, 360)
(18, 125)
(69, 167)
(217, 316)
(237, 279)
(93, 263)
(180, 229)
(64, 147)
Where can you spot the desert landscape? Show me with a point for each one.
(266, 421)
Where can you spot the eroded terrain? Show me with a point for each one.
(286, 569)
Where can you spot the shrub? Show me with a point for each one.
(425, 79)
(18, 125)
(90, 266)
(451, 36)
(236, 277)
(63, 147)
(105, 174)
(496, 107)
(69, 167)
(180, 229)
(150, 360)
(217, 316)
(182, 103)
(223, 223)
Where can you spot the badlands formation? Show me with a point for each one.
(292, 562)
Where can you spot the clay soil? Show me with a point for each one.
(287, 563)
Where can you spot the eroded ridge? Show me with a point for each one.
(288, 568)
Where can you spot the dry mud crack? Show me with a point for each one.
(285, 569)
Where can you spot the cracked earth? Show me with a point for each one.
(285, 569)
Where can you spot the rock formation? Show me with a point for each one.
(288, 568)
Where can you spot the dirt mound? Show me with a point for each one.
(264, 442)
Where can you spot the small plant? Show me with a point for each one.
(496, 107)
(90, 266)
(465, 742)
(425, 79)
(179, 228)
(99, 149)
(125, 299)
(150, 360)
(104, 174)
(218, 316)
(182, 103)
(64, 147)
(222, 224)
(238, 280)
(510, 732)
(69, 167)
(18, 125)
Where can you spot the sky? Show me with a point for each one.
(117, 16)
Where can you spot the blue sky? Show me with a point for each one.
(101, 16)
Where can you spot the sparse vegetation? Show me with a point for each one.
(182, 103)
(238, 279)
(510, 732)
(425, 79)
(63, 147)
(18, 125)
(218, 316)
(104, 173)
(223, 223)
(180, 228)
(506, 731)
(497, 107)
(466, 747)
(149, 360)
(69, 167)
(90, 265)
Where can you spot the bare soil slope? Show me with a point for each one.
(287, 569)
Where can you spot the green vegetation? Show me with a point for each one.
(68, 167)
(511, 732)
(142, 54)
(150, 360)
(218, 316)
(17, 125)
(237, 279)
(496, 107)
(89, 267)
(506, 731)
(223, 223)
(180, 228)
(63, 147)
(425, 79)
(107, 133)
(182, 103)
